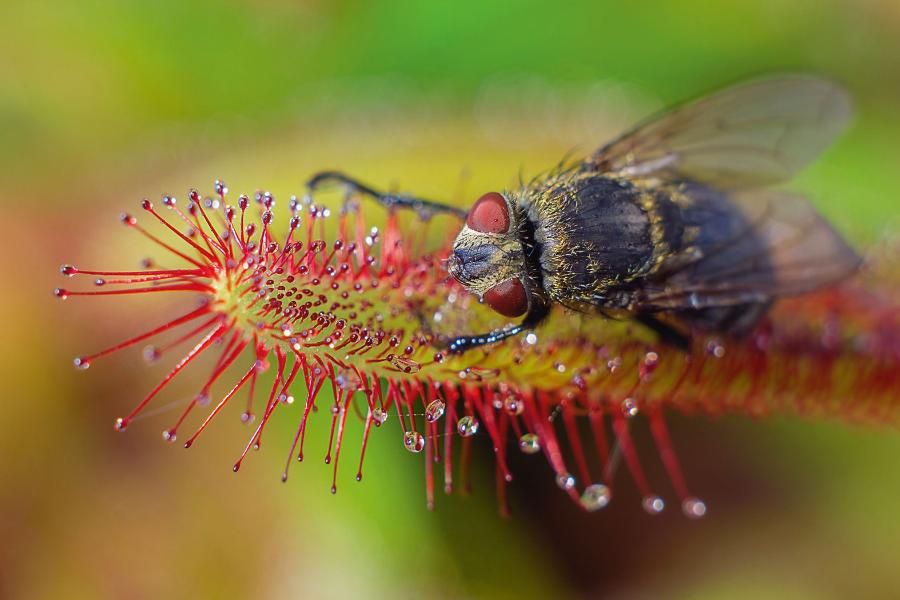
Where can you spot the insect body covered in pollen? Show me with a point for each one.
(675, 224)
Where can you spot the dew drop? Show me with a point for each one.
(629, 407)
(531, 339)
(653, 504)
(414, 441)
(434, 410)
(595, 497)
(565, 481)
(693, 508)
(530, 443)
(467, 426)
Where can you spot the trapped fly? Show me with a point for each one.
(673, 224)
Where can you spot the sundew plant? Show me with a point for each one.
(353, 322)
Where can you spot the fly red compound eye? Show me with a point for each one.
(489, 214)
(508, 298)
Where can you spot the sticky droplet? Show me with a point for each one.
(565, 481)
(151, 354)
(348, 379)
(434, 410)
(379, 415)
(414, 441)
(467, 426)
(406, 365)
(693, 508)
(513, 405)
(653, 504)
(530, 443)
(595, 497)
(715, 348)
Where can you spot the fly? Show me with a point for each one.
(674, 224)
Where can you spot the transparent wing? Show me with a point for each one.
(786, 249)
(753, 134)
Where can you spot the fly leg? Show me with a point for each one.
(536, 315)
(466, 342)
(459, 344)
(424, 208)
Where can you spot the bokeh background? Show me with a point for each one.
(102, 103)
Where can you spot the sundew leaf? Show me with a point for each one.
(366, 315)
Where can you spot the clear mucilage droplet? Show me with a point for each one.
(565, 481)
(434, 410)
(530, 443)
(513, 405)
(595, 496)
(467, 426)
(693, 508)
(414, 441)
(653, 504)
(379, 415)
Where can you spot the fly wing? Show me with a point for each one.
(785, 249)
(753, 134)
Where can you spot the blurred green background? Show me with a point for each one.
(102, 103)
